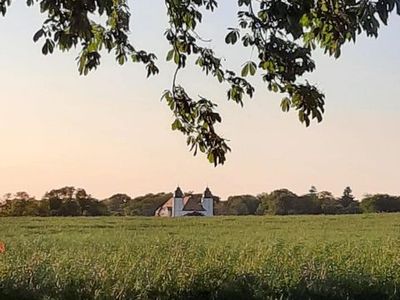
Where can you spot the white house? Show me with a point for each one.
(181, 204)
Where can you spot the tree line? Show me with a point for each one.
(71, 201)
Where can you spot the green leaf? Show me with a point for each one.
(176, 57)
(170, 54)
(220, 75)
(176, 125)
(252, 68)
(232, 37)
(301, 116)
(211, 158)
(38, 35)
(245, 70)
(249, 68)
(285, 104)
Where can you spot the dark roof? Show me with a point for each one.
(194, 203)
(207, 193)
(178, 193)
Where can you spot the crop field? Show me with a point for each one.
(310, 257)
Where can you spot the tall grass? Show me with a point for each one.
(311, 257)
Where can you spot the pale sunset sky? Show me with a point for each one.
(109, 133)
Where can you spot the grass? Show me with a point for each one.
(308, 257)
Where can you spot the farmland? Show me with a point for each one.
(315, 257)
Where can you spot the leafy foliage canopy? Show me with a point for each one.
(283, 33)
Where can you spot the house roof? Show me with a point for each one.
(193, 203)
(178, 193)
(207, 193)
(168, 203)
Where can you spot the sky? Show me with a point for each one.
(109, 132)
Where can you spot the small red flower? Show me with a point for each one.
(2, 247)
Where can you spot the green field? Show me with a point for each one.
(312, 257)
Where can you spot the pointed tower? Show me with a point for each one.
(208, 203)
(177, 205)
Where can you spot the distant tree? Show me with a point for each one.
(44, 209)
(116, 204)
(313, 190)
(57, 198)
(23, 196)
(306, 205)
(70, 208)
(85, 201)
(146, 205)
(20, 204)
(263, 206)
(71, 201)
(220, 208)
(329, 204)
(347, 197)
(285, 202)
(95, 207)
(380, 203)
(90, 206)
(242, 205)
(325, 195)
(6, 197)
(350, 205)
(238, 208)
(352, 208)
(279, 202)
